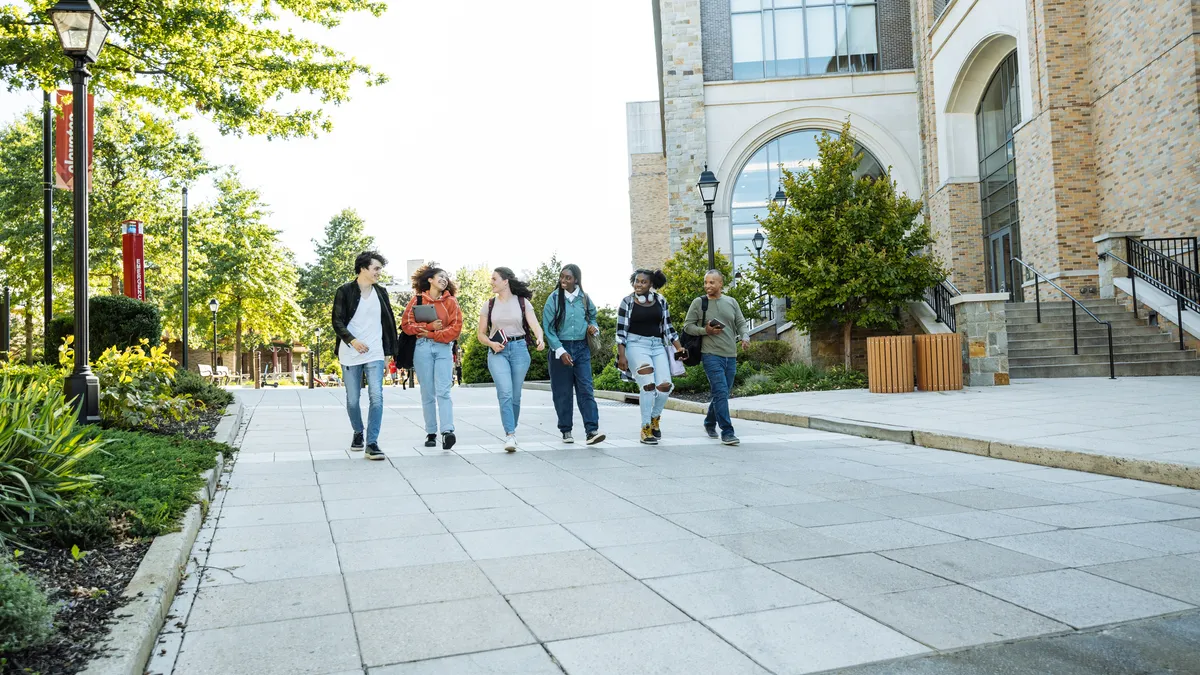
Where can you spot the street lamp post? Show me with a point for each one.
(780, 198)
(708, 192)
(82, 32)
(185, 280)
(214, 305)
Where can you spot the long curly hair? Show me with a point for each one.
(421, 278)
(519, 288)
(656, 277)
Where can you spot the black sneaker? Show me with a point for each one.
(595, 437)
(729, 439)
(357, 443)
(431, 440)
(711, 431)
(567, 438)
(448, 440)
(373, 452)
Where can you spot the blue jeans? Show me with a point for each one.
(352, 376)
(642, 352)
(564, 379)
(508, 368)
(435, 368)
(720, 371)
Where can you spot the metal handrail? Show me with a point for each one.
(1165, 273)
(938, 298)
(1134, 273)
(1174, 248)
(1112, 362)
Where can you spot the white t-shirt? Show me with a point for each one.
(367, 328)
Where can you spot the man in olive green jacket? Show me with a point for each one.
(721, 326)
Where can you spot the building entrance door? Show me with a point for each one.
(998, 113)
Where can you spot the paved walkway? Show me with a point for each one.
(1152, 418)
(800, 551)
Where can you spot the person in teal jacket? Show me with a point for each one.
(568, 318)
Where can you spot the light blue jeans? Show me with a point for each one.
(642, 351)
(508, 368)
(435, 369)
(352, 376)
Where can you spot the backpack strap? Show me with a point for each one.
(491, 305)
(524, 319)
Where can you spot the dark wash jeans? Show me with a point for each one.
(720, 371)
(564, 379)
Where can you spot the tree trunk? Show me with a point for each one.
(847, 329)
(237, 348)
(116, 285)
(28, 333)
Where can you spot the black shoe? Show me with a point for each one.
(373, 452)
(729, 439)
(711, 431)
(431, 440)
(595, 437)
(357, 443)
(448, 440)
(567, 438)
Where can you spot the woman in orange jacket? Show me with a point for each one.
(432, 358)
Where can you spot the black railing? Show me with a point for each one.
(1182, 250)
(1037, 295)
(763, 307)
(1136, 272)
(938, 298)
(1164, 271)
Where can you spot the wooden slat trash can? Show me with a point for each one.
(939, 362)
(890, 364)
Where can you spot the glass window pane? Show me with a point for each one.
(779, 4)
(743, 5)
(789, 42)
(768, 33)
(747, 46)
(821, 40)
(863, 39)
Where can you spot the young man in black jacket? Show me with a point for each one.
(366, 329)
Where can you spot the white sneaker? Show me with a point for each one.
(510, 443)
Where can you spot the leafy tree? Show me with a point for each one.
(845, 250)
(474, 288)
(248, 270)
(233, 61)
(685, 272)
(345, 238)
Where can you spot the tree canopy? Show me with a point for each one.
(238, 62)
(685, 272)
(846, 251)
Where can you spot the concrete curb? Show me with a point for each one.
(1179, 475)
(131, 636)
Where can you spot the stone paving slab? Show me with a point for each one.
(799, 551)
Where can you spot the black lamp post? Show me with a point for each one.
(214, 305)
(780, 198)
(759, 240)
(186, 318)
(82, 32)
(708, 192)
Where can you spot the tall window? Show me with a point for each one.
(789, 38)
(998, 114)
(756, 184)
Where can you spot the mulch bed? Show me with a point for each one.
(90, 592)
(89, 589)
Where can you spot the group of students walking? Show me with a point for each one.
(431, 324)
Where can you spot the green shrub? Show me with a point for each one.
(793, 377)
(609, 379)
(114, 321)
(135, 388)
(41, 451)
(24, 375)
(474, 362)
(26, 615)
(767, 353)
(150, 478)
(83, 521)
(187, 383)
(60, 327)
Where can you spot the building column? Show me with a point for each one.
(683, 116)
(1112, 242)
(981, 322)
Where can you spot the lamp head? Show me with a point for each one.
(213, 305)
(780, 198)
(708, 186)
(81, 28)
(759, 240)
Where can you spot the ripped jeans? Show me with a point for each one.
(654, 387)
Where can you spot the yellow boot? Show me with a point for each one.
(654, 426)
(648, 435)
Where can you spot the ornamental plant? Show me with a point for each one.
(136, 386)
(847, 251)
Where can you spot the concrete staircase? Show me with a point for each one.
(1045, 349)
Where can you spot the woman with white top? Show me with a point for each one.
(505, 322)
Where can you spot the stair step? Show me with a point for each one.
(1078, 359)
(1087, 341)
(1124, 369)
(1102, 312)
(1098, 332)
(1118, 349)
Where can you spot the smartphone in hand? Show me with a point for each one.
(715, 324)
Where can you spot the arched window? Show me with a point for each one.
(998, 114)
(759, 179)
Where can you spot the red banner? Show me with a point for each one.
(133, 259)
(64, 151)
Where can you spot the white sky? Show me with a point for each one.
(499, 140)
